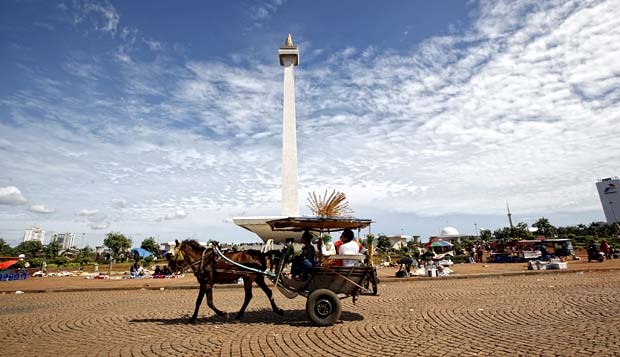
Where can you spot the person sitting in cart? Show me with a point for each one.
(348, 247)
(327, 249)
(304, 262)
(343, 237)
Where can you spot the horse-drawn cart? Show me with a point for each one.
(326, 285)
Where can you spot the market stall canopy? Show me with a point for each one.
(143, 253)
(318, 223)
(7, 264)
(438, 243)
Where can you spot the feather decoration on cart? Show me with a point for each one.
(329, 205)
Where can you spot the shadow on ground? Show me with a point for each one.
(290, 318)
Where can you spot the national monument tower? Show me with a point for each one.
(289, 59)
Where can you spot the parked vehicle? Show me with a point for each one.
(594, 253)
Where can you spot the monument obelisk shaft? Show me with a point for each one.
(289, 58)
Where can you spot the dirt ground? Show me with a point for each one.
(72, 283)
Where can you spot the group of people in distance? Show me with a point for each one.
(137, 271)
(161, 273)
(304, 262)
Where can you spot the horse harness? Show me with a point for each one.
(209, 270)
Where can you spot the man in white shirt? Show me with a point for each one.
(348, 247)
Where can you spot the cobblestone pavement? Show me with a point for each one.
(568, 314)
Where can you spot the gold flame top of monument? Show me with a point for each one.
(289, 41)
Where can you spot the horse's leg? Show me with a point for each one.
(201, 294)
(260, 281)
(247, 286)
(218, 312)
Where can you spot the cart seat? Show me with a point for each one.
(359, 257)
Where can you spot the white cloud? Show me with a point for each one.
(11, 195)
(178, 214)
(447, 116)
(153, 45)
(119, 203)
(87, 212)
(97, 221)
(262, 11)
(40, 209)
(100, 14)
(100, 225)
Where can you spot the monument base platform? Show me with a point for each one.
(258, 225)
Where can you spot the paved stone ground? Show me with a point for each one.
(569, 314)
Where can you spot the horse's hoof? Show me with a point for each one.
(191, 321)
(280, 312)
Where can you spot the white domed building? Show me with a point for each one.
(450, 234)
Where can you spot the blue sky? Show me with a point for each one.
(163, 119)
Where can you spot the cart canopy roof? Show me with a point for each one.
(318, 223)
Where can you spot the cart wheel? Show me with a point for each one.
(600, 258)
(323, 307)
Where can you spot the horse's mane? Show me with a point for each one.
(193, 244)
(254, 252)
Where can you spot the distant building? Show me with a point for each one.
(398, 242)
(64, 240)
(34, 234)
(609, 193)
(452, 235)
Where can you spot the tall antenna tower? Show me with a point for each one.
(509, 215)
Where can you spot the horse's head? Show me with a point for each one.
(176, 258)
(188, 253)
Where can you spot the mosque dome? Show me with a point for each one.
(448, 232)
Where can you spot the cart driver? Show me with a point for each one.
(304, 262)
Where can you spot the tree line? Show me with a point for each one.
(36, 253)
(580, 234)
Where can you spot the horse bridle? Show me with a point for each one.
(201, 260)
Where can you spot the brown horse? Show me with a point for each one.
(209, 268)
